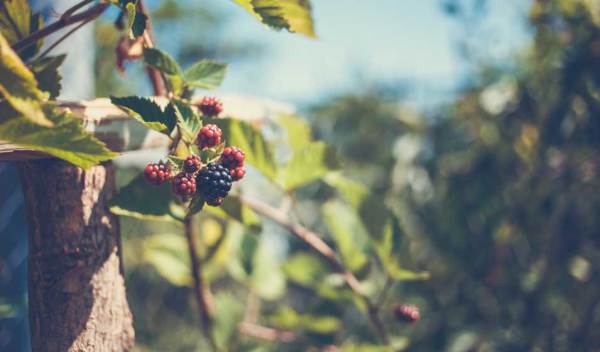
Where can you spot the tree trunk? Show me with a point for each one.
(77, 296)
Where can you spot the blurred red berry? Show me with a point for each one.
(210, 106)
(407, 313)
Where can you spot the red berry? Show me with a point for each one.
(407, 313)
(215, 202)
(232, 157)
(184, 184)
(237, 173)
(157, 174)
(209, 136)
(192, 164)
(210, 106)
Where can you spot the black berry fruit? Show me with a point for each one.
(210, 106)
(192, 164)
(232, 157)
(215, 202)
(157, 173)
(237, 173)
(214, 181)
(184, 184)
(209, 136)
(407, 313)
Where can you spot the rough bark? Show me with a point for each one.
(77, 296)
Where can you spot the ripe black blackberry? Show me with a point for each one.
(192, 164)
(407, 313)
(209, 136)
(214, 181)
(157, 173)
(232, 157)
(184, 184)
(210, 106)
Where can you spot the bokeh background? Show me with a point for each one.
(477, 122)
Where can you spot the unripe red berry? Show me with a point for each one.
(215, 202)
(232, 157)
(209, 136)
(157, 173)
(210, 106)
(192, 164)
(407, 313)
(184, 184)
(237, 173)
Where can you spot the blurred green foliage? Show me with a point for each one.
(493, 197)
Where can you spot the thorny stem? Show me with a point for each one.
(67, 19)
(200, 290)
(317, 244)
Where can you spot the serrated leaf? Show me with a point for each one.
(288, 318)
(47, 75)
(293, 15)
(162, 61)
(15, 18)
(205, 74)
(348, 232)
(147, 112)
(258, 151)
(306, 165)
(19, 87)
(140, 200)
(168, 254)
(66, 140)
(188, 120)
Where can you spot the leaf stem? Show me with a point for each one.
(200, 290)
(316, 243)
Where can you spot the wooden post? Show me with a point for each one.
(77, 296)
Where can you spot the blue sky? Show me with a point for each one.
(363, 42)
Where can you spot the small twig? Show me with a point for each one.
(266, 333)
(317, 244)
(61, 39)
(157, 79)
(75, 8)
(63, 22)
(199, 289)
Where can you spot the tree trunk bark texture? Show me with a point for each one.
(77, 296)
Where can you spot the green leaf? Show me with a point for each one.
(348, 233)
(162, 61)
(205, 74)
(258, 151)
(306, 165)
(168, 254)
(293, 15)
(305, 269)
(353, 192)
(147, 112)
(67, 140)
(19, 87)
(288, 318)
(47, 75)
(297, 131)
(188, 120)
(233, 209)
(140, 200)
(15, 16)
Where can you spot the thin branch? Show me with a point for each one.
(91, 13)
(199, 288)
(317, 244)
(266, 333)
(157, 79)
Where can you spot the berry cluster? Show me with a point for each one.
(210, 107)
